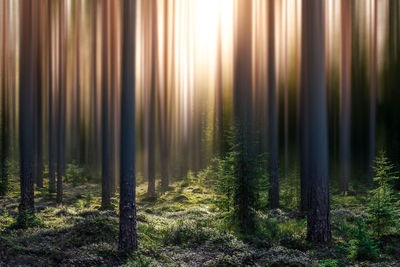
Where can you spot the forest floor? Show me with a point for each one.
(183, 227)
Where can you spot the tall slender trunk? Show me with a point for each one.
(61, 108)
(26, 106)
(273, 144)
(313, 60)
(39, 112)
(153, 87)
(243, 117)
(105, 166)
(4, 113)
(373, 85)
(345, 97)
(78, 153)
(164, 147)
(127, 206)
(52, 152)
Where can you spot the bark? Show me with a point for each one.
(4, 113)
(52, 152)
(127, 223)
(373, 85)
(345, 97)
(244, 146)
(39, 112)
(272, 113)
(313, 59)
(61, 109)
(26, 104)
(153, 87)
(164, 147)
(105, 173)
(78, 87)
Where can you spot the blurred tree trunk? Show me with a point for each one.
(345, 97)
(26, 105)
(153, 87)
(61, 108)
(373, 85)
(243, 119)
(52, 151)
(127, 206)
(272, 113)
(105, 163)
(4, 113)
(313, 62)
(39, 110)
(164, 118)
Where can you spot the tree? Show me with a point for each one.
(313, 62)
(345, 97)
(153, 87)
(52, 151)
(39, 112)
(373, 86)
(105, 164)
(272, 112)
(243, 119)
(127, 205)
(164, 118)
(4, 114)
(61, 108)
(26, 106)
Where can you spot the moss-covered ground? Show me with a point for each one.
(183, 227)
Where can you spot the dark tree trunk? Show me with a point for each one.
(26, 106)
(345, 97)
(61, 109)
(4, 113)
(105, 173)
(272, 113)
(372, 97)
(127, 206)
(313, 59)
(78, 153)
(38, 113)
(164, 147)
(52, 152)
(243, 119)
(153, 87)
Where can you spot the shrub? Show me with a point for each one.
(75, 174)
(362, 246)
(382, 204)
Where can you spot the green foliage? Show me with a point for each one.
(382, 204)
(25, 219)
(4, 179)
(362, 246)
(329, 263)
(75, 174)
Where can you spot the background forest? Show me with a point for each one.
(199, 133)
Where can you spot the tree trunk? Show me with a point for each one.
(26, 106)
(153, 87)
(164, 147)
(4, 113)
(243, 121)
(272, 113)
(313, 59)
(373, 84)
(38, 113)
(52, 152)
(127, 206)
(105, 173)
(61, 108)
(345, 97)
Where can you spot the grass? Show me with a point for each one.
(182, 227)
